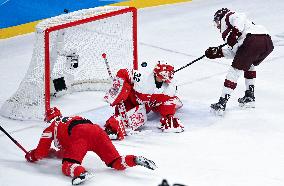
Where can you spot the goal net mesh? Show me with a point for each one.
(68, 51)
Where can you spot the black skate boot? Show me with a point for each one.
(219, 108)
(140, 160)
(248, 101)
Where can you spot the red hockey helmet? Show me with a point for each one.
(52, 113)
(219, 14)
(164, 71)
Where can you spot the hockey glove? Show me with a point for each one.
(30, 156)
(214, 52)
(115, 128)
(52, 153)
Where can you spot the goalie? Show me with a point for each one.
(136, 93)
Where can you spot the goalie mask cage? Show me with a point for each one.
(67, 57)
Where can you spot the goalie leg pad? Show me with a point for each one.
(118, 92)
(136, 117)
(115, 127)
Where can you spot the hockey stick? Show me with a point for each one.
(196, 60)
(121, 106)
(107, 65)
(189, 64)
(20, 146)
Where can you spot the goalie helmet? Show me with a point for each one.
(219, 14)
(164, 71)
(52, 113)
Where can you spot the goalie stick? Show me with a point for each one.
(11, 138)
(121, 106)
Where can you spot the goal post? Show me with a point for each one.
(67, 57)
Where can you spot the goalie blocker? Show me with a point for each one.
(119, 91)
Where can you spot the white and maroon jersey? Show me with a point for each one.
(243, 25)
(145, 88)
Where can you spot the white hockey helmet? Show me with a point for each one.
(164, 71)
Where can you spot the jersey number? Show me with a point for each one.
(137, 76)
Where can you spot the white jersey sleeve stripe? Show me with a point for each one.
(46, 135)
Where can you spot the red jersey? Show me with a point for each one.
(74, 136)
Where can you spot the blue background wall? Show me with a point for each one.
(19, 17)
(16, 12)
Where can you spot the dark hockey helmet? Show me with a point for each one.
(219, 14)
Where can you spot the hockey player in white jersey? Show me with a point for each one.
(135, 93)
(248, 44)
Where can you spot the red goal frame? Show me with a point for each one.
(75, 23)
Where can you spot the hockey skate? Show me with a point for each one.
(112, 135)
(171, 124)
(248, 101)
(149, 164)
(82, 178)
(219, 108)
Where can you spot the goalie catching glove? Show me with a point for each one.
(118, 92)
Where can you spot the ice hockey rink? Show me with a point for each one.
(243, 148)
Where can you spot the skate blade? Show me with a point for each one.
(112, 136)
(247, 105)
(173, 130)
(79, 181)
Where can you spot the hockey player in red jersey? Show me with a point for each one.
(135, 93)
(248, 44)
(74, 137)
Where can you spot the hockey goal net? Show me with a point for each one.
(67, 57)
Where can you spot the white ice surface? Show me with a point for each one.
(243, 148)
